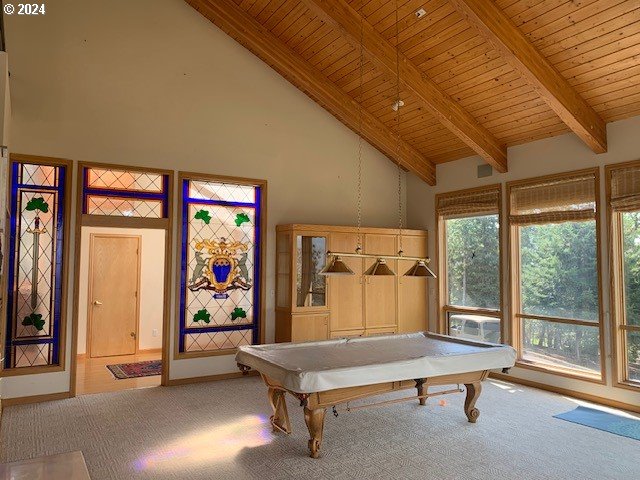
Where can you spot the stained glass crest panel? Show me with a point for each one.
(205, 284)
(220, 258)
(35, 266)
(36, 246)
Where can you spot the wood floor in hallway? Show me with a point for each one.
(93, 376)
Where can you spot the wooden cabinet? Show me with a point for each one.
(345, 292)
(306, 328)
(311, 307)
(412, 291)
(347, 333)
(380, 296)
(302, 309)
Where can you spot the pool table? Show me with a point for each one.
(333, 372)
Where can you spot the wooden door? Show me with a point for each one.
(308, 328)
(345, 292)
(380, 291)
(413, 292)
(114, 272)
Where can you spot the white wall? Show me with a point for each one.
(151, 285)
(543, 157)
(152, 83)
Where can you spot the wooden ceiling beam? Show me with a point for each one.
(239, 25)
(498, 29)
(383, 54)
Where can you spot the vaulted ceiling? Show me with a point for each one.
(477, 76)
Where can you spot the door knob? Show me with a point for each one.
(97, 302)
(133, 334)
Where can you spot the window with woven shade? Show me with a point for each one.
(470, 263)
(555, 273)
(624, 212)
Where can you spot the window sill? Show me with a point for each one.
(634, 386)
(593, 378)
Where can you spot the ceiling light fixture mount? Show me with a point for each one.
(396, 105)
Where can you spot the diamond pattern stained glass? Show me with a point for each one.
(220, 255)
(42, 175)
(123, 207)
(32, 355)
(35, 266)
(212, 341)
(124, 180)
(226, 192)
(125, 193)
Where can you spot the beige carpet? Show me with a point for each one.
(220, 430)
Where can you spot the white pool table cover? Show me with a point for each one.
(326, 365)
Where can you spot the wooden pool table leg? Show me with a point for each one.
(473, 392)
(315, 423)
(280, 417)
(421, 390)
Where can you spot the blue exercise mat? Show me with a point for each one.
(590, 417)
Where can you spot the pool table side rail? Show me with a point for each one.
(329, 398)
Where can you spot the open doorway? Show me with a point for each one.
(120, 328)
(120, 315)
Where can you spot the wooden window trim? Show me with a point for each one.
(207, 177)
(441, 262)
(514, 284)
(617, 318)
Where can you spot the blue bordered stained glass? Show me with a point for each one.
(35, 280)
(124, 193)
(220, 265)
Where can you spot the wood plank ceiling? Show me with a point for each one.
(477, 76)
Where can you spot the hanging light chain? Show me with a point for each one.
(337, 266)
(360, 140)
(400, 222)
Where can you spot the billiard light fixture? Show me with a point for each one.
(336, 265)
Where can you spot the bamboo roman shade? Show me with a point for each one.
(560, 199)
(483, 202)
(625, 188)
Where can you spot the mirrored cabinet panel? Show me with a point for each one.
(311, 287)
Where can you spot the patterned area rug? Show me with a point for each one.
(136, 369)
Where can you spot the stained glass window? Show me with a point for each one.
(125, 193)
(35, 267)
(219, 303)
